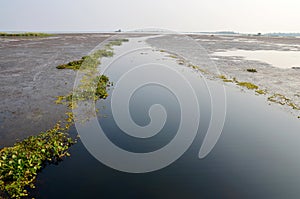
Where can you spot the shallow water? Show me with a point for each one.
(280, 59)
(257, 155)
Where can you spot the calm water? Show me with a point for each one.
(257, 155)
(280, 59)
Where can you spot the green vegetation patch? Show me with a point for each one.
(26, 34)
(102, 84)
(20, 163)
(116, 42)
(92, 61)
(252, 70)
(92, 89)
(282, 100)
(197, 68)
(224, 78)
(247, 85)
(75, 65)
(173, 56)
(261, 92)
(89, 61)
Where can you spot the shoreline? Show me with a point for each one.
(277, 86)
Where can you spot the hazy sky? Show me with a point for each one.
(178, 15)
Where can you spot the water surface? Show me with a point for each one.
(276, 58)
(257, 155)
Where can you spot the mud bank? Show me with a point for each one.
(30, 81)
(285, 82)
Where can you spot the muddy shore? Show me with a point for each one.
(272, 79)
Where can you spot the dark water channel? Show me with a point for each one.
(257, 155)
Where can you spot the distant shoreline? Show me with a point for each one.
(267, 34)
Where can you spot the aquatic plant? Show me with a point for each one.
(102, 84)
(117, 42)
(173, 56)
(75, 65)
(92, 86)
(92, 61)
(247, 85)
(92, 89)
(282, 100)
(86, 61)
(224, 78)
(20, 163)
(261, 92)
(197, 68)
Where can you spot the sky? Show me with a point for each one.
(247, 16)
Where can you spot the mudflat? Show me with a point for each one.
(281, 84)
(30, 81)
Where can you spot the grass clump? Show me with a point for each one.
(252, 70)
(282, 100)
(101, 88)
(173, 56)
(92, 61)
(20, 163)
(225, 79)
(197, 68)
(75, 65)
(92, 89)
(117, 42)
(26, 34)
(247, 85)
(276, 98)
(293, 105)
(261, 92)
